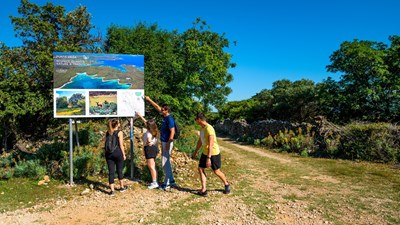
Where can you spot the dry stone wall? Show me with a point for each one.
(257, 130)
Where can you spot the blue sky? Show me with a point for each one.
(286, 39)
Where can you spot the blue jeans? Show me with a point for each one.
(166, 163)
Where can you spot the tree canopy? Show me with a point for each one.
(368, 89)
(187, 70)
(26, 72)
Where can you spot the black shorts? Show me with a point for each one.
(215, 161)
(150, 152)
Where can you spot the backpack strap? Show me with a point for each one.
(116, 137)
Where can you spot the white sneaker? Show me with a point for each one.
(152, 185)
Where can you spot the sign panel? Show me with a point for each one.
(98, 85)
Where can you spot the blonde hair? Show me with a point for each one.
(112, 125)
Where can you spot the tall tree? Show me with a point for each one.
(205, 64)
(237, 110)
(294, 101)
(330, 100)
(262, 107)
(369, 85)
(43, 30)
(392, 100)
(157, 46)
(188, 70)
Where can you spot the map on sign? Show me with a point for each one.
(98, 85)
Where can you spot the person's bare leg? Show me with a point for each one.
(152, 167)
(221, 176)
(112, 187)
(203, 179)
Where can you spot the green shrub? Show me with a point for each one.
(50, 156)
(332, 143)
(6, 169)
(304, 153)
(268, 141)
(187, 141)
(6, 163)
(282, 139)
(89, 135)
(6, 160)
(97, 164)
(81, 164)
(290, 141)
(249, 140)
(30, 169)
(371, 142)
(243, 138)
(51, 152)
(6, 173)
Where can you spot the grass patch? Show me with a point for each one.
(182, 211)
(255, 198)
(17, 193)
(336, 188)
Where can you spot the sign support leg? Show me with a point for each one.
(132, 150)
(71, 145)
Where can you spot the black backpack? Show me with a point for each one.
(112, 142)
(177, 128)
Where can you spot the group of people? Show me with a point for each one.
(207, 141)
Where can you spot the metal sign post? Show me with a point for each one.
(71, 145)
(132, 150)
(77, 133)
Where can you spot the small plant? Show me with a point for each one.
(6, 169)
(30, 169)
(268, 141)
(304, 153)
(187, 141)
(290, 141)
(332, 144)
(81, 163)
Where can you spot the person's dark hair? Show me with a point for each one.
(166, 107)
(201, 116)
(151, 125)
(112, 124)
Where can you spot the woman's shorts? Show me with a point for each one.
(215, 161)
(150, 152)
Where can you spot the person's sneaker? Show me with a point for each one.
(123, 189)
(164, 187)
(204, 194)
(227, 189)
(111, 193)
(152, 185)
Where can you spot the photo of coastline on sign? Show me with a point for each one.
(99, 78)
(98, 71)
